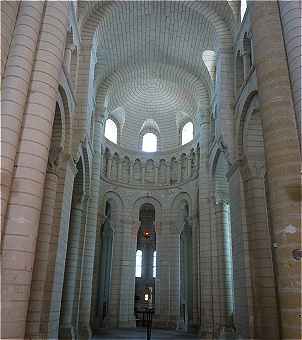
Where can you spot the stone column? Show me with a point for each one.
(14, 88)
(80, 120)
(143, 174)
(24, 207)
(243, 299)
(283, 158)
(196, 271)
(119, 173)
(156, 280)
(162, 273)
(131, 173)
(263, 279)
(205, 282)
(90, 235)
(9, 13)
(224, 254)
(174, 274)
(109, 164)
(42, 248)
(168, 274)
(156, 174)
(68, 53)
(225, 96)
(113, 308)
(80, 262)
(57, 252)
(290, 12)
(127, 275)
(246, 65)
(67, 329)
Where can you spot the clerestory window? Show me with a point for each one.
(187, 133)
(149, 142)
(154, 264)
(138, 263)
(243, 6)
(111, 130)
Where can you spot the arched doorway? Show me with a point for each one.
(145, 271)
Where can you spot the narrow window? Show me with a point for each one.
(138, 264)
(243, 6)
(187, 133)
(149, 142)
(154, 264)
(111, 131)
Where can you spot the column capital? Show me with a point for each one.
(54, 158)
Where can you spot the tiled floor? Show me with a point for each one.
(140, 334)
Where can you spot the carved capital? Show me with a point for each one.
(54, 158)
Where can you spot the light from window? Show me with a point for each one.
(149, 142)
(187, 133)
(138, 264)
(154, 264)
(111, 131)
(243, 6)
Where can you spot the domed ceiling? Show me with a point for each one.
(150, 59)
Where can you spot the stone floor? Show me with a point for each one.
(140, 334)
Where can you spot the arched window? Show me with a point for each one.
(243, 6)
(154, 264)
(149, 142)
(187, 133)
(138, 264)
(111, 131)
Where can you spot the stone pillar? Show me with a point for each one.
(57, 252)
(243, 299)
(174, 268)
(291, 12)
(113, 308)
(14, 87)
(246, 65)
(168, 267)
(283, 158)
(216, 266)
(9, 13)
(205, 281)
(68, 53)
(67, 329)
(143, 174)
(162, 272)
(263, 279)
(224, 254)
(90, 235)
(156, 280)
(225, 92)
(127, 275)
(24, 207)
(109, 164)
(156, 174)
(42, 248)
(119, 173)
(80, 263)
(82, 92)
(196, 271)
(131, 173)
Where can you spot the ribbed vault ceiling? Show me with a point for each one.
(150, 55)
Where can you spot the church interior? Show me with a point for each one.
(151, 167)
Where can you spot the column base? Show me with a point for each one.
(67, 333)
(85, 332)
